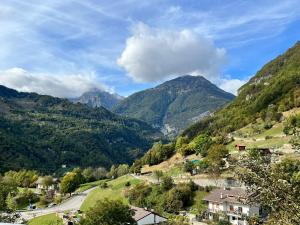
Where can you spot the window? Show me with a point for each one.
(240, 209)
(233, 218)
(231, 208)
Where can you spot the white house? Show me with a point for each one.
(146, 217)
(41, 187)
(231, 204)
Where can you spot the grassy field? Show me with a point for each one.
(114, 191)
(86, 186)
(50, 219)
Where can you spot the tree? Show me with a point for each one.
(69, 183)
(276, 187)
(202, 144)
(167, 183)
(6, 188)
(214, 160)
(11, 202)
(189, 167)
(158, 174)
(47, 181)
(88, 174)
(108, 212)
(100, 173)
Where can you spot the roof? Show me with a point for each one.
(140, 213)
(221, 195)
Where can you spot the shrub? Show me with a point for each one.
(103, 185)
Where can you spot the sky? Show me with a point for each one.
(64, 48)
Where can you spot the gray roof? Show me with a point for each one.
(221, 195)
(140, 213)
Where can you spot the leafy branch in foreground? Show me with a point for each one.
(276, 187)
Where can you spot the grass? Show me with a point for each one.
(51, 219)
(86, 186)
(115, 191)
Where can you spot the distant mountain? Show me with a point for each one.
(175, 104)
(96, 98)
(43, 132)
(273, 90)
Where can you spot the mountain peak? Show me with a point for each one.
(175, 104)
(97, 97)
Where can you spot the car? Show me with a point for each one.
(51, 205)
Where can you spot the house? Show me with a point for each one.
(41, 187)
(240, 147)
(231, 205)
(146, 217)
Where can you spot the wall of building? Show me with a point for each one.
(150, 220)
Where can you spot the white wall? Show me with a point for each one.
(150, 220)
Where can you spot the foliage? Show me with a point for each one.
(158, 153)
(162, 198)
(71, 181)
(202, 144)
(22, 178)
(43, 133)
(174, 103)
(224, 222)
(48, 181)
(292, 126)
(6, 189)
(108, 212)
(167, 183)
(11, 202)
(275, 187)
(118, 171)
(157, 174)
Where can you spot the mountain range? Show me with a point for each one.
(175, 104)
(42, 132)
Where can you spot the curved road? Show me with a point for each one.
(73, 203)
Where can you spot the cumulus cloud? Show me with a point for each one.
(66, 86)
(154, 55)
(231, 85)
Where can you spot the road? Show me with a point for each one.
(73, 203)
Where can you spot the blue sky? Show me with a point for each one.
(64, 48)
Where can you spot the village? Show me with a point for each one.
(225, 199)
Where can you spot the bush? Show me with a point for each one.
(268, 137)
(224, 222)
(103, 185)
(127, 184)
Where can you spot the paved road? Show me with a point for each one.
(73, 203)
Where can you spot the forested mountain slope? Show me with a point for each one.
(274, 89)
(44, 133)
(175, 104)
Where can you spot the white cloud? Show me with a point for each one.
(155, 55)
(231, 85)
(66, 86)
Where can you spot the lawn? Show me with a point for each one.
(50, 219)
(86, 186)
(114, 191)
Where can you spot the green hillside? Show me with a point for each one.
(44, 133)
(273, 90)
(175, 104)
